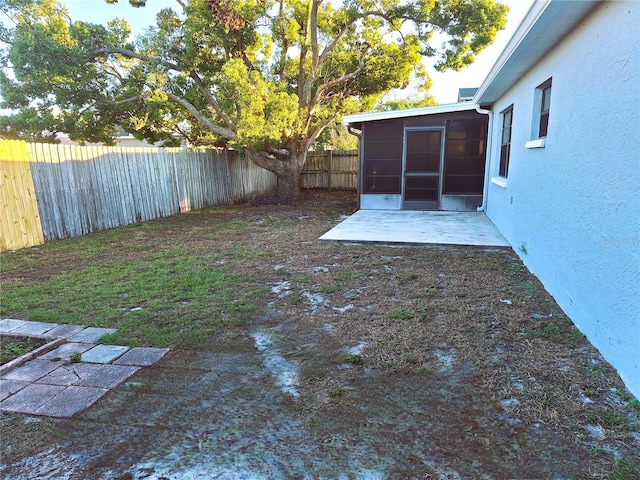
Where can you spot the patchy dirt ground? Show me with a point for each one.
(12, 347)
(461, 343)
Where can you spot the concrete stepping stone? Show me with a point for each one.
(9, 387)
(103, 353)
(31, 371)
(65, 330)
(30, 398)
(70, 401)
(34, 328)
(65, 350)
(9, 324)
(91, 334)
(142, 356)
(67, 375)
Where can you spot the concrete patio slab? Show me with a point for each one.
(34, 328)
(90, 334)
(142, 356)
(69, 401)
(9, 324)
(9, 387)
(418, 227)
(103, 353)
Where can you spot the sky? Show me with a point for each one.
(445, 85)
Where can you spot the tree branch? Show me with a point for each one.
(313, 23)
(110, 69)
(185, 134)
(131, 54)
(310, 78)
(304, 84)
(204, 121)
(319, 129)
(116, 103)
(282, 62)
(353, 20)
(278, 152)
(262, 159)
(343, 79)
(218, 130)
(213, 102)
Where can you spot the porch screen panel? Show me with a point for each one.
(465, 156)
(423, 151)
(423, 188)
(382, 157)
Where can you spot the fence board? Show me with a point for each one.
(20, 224)
(73, 194)
(331, 170)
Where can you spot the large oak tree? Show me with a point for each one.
(266, 76)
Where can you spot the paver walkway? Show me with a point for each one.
(50, 384)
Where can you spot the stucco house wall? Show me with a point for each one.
(571, 210)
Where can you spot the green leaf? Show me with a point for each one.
(261, 75)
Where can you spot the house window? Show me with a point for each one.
(544, 92)
(505, 142)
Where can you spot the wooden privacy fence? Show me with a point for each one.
(331, 170)
(83, 189)
(19, 218)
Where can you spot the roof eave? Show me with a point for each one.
(409, 112)
(545, 24)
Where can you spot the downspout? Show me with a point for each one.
(358, 134)
(483, 208)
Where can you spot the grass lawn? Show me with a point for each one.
(181, 281)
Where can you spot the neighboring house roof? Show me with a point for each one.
(466, 94)
(409, 112)
(545, 24)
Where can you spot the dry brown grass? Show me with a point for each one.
(419, 311)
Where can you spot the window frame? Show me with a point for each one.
(505, 146)
(543, 93)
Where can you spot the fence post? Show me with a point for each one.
(329, 169)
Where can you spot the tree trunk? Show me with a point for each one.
(288, 188)
(286, 170)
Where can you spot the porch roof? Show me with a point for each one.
(409, 112)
